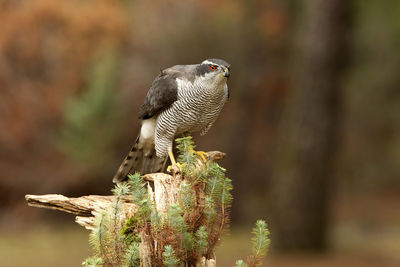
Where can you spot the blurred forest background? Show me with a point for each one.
(311, 129)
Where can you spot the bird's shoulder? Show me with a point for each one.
(164, 89)
(163, 92)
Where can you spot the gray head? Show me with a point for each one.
(213, 68)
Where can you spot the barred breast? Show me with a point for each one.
(196, 109)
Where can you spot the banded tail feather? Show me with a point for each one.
(139, 160)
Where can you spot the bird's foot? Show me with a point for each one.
(174, 168)
(203, 155)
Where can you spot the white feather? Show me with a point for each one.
(148, 129)
(207, 62)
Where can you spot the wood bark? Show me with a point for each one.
(85, 207)
(300, 182)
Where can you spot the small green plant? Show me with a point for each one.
(109, 245)
(93, 262)
(240, 263)
(190, 229)
(169, 258)
(260, 246)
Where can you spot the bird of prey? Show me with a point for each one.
(182, 99)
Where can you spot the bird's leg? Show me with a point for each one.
(174, 167)
(171, 157)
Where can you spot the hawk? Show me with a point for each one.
(182, 99)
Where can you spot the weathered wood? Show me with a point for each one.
(84, 207)
(166, 189)
(86, 222)
(215, 155)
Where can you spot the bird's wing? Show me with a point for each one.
(163, 92)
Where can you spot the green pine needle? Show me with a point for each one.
(169, 258)
(186, 195)
(185, 144)
(209, 210)
(121, 189)
(201, 240)
(218, 185)
(98, 236)
(141, 198)
(186, 156)
(137, 190)
(213, 187)
(260, 240)
(175, 218)
(188, 241)
(225, 196)
(93, 262)
(240, 263)
(132, 255)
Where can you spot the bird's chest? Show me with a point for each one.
(197, 108)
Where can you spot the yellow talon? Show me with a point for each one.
(203, 155)
(175, 167)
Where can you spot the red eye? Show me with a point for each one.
(212, 67)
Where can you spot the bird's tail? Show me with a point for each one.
(139, 160)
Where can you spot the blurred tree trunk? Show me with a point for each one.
(307, 137)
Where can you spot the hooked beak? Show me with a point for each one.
(227, 73)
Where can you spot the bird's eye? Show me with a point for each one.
(212, 67)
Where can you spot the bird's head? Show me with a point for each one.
(217, 70)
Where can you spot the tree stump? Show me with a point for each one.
(161, 187)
